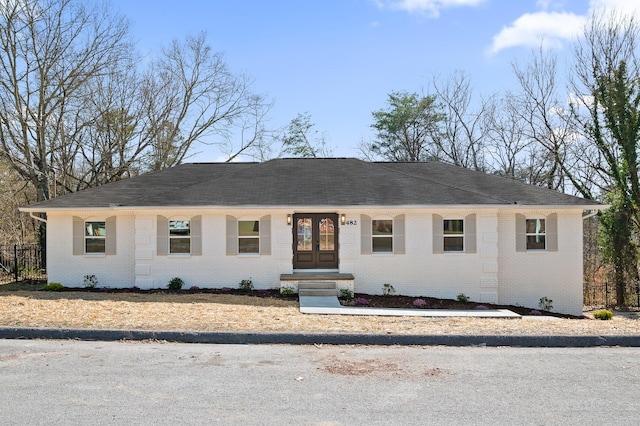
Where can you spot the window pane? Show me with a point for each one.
(453, 243)
(179, 245)
(535, 226)
(95, 229)
(179, 227)
(327, 242)
(383, 244)
(535, 242)
(453, 226)
(94, 245)
(249, 245)
(304, 232)
(249, 228)
(382, 227)
(326, 234)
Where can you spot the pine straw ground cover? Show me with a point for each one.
(228, 312)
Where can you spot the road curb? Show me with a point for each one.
(319, 338)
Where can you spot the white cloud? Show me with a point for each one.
(551, 29)
(430, 7)
(623, 6)
(534, 29)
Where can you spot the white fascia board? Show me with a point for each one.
(311, 208)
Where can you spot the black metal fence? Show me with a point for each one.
(604, 294)
(22, 262)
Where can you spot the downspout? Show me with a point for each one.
(37, 218)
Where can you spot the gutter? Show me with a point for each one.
(306, 208)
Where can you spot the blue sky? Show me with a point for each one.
(338, 59)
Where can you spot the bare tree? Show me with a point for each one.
(464, 129)
(15, 228)
(191, 96)
(49, 50)
(549, 121)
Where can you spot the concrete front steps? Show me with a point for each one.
(319, 288)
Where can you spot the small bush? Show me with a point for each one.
(53, 287)
(135, 288)
(388, 290)
(603, 314)
(287, 291)
(361, 301)
(419, 303)
(462, 298)
(194, 288)
(263, 292)
(481, 308)
(245, 285)
(545, 304)
(535, 312)
(90, 281)
(175, 283)
(225, 289)
(346, 294)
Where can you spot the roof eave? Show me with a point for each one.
(320, 207)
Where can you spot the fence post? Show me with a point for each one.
(16, 274)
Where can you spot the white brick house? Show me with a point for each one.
(428, 229)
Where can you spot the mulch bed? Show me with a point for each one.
(407, 302)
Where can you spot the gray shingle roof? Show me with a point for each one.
(313, 182)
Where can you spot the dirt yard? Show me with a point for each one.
(227, 312)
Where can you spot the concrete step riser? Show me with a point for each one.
(313, 285)
(317, 292)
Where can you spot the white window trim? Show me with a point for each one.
(534, 234)
(102, 237)
(392, 251)
(445, 236)
(170, 237)
(239, 237)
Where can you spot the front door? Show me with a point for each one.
(315, 241)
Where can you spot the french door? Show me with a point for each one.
(315, 241)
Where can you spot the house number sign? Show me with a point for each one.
(352, 222)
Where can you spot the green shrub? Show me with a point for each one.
(287, 291)
(462, 298)
(175, 283)
(53, 287)
(603, 314)
(346, 294)
(245, 285)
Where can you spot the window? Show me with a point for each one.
(179, 237)
(382, 236)
(536, 234)
(453, 234)
(249, 236)
(95, 235)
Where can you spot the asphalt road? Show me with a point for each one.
(58, 382)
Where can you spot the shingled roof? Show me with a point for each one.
(313, 182)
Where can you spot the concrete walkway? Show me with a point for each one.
(331, 306)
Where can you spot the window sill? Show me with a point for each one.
(248, 255)
(381, 253)
(179, 255)
(94, 255)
